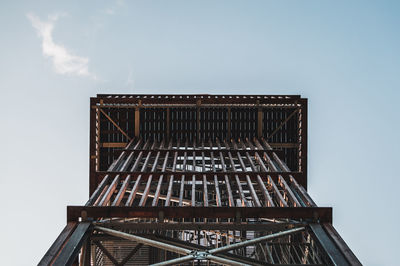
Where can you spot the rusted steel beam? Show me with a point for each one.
(255, 240)
(204, 101)
(171, 97)
(239, 226)
(137, 121)
(107, 196)
(131, 254)
(302, 192)
(54, 250)
(341, 245)
(143, 240)
(104, 182)
(303, 140)
(194, 180)
(228, 255)
(93, 147)
(107, 253)
(205, 190)
(260, 124)
(289, 192)
(182, 188)
(271, 182)
(216, 182)
(121, 191)
(282, 124)
(267, 198)
(160, 180)
(207, 151)
(227, 182)
(171, 181)
(103, 192)
(238, 183)
(209, 175)
(332, 251)
(147, 188)
(253, 193)
(176, 261)
(137, 182)
(70, 250)
(113, 144)
(115, 124)
(323, 214)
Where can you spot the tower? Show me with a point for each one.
(198, 180)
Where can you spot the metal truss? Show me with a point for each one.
(199, 180)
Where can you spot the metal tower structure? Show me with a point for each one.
(198, 180)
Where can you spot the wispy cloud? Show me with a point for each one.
(130, 81)
(63, 61)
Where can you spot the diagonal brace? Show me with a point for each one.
(283, 123)
(115, 124)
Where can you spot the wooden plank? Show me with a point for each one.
(260, 124)
(168, 126)
(137, 122)
(113, 144)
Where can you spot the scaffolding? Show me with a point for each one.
(198, 180)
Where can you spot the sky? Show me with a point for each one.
(342, 55)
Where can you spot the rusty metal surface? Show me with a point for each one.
(200, 172)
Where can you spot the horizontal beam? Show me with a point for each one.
(225, 100)
(195, 96)
(113, 144)
(273, 145)
(268, 226)
(317, 214)
(207, 152)
(209, 175)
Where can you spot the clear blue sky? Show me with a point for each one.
(342, 55)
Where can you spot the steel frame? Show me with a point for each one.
(205, 179)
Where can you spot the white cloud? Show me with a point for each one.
(63, 61)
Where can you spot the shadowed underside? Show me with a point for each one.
(199, 180)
